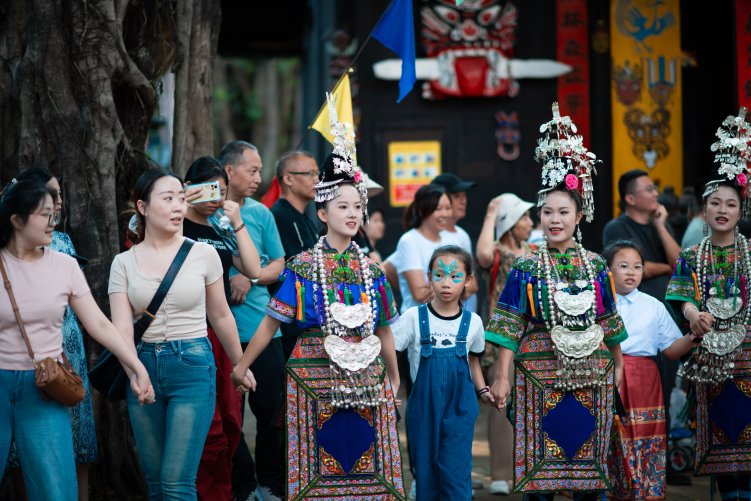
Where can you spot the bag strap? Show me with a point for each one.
(149, 314)
(16, 312)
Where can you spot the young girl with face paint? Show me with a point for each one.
(445, 342)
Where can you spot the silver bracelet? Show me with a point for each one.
(687, 306)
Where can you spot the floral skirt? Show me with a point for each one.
(337, 453)
(639, 457)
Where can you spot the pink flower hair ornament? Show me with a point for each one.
(572, 182)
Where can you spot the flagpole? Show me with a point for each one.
(345, 73)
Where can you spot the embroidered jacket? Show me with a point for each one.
(684, 284)
(520, 300)
(300, 297)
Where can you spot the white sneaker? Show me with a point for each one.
(412, 496)
(499, 487)
(264, 494)
(476, 484)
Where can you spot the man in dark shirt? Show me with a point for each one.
(297, 173)
(644, 222)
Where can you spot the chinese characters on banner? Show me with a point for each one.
(411, 165)
(743, 50)
(573, 49)
(646, 91)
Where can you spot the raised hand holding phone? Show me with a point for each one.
(203, 192)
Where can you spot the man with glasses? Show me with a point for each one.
(297, 174)
(243, 164)
(644, 222)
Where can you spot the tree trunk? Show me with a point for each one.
(197, 34)
(77, 94)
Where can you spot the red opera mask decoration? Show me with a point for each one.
(472, 44)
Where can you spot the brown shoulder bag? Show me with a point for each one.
(56, 380)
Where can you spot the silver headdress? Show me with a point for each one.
(732, 155)
(565, 160)
(341, 165)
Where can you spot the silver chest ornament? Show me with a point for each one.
(724, 308)
(573, 304)
(355, 377)
(351, 356)
(713, 360)
(579, 367)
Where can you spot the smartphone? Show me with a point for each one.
(209, 192)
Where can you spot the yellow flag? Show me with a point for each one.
(343, 97)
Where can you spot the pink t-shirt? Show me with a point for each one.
(42, 289)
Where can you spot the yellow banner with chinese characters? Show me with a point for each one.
(646, 91)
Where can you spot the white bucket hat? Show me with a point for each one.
(510, 211)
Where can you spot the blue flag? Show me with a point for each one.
(396, 30)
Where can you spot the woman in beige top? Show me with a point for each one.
(44, 282)
(175, 348)
(508, 219)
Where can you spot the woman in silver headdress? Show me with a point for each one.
(710, 286)
(570, 359)
(342, 374)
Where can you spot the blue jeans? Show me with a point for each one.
(171, 432)
(42, 432)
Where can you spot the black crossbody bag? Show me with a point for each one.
(108, 376)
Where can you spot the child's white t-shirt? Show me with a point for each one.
(443, 331)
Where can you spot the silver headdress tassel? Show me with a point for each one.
(564, 159)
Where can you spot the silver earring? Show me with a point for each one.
(735, 233)
(705, 229)
(578, 233)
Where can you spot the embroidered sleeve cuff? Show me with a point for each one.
(682, 299)
(499, 340)
(280, 311)
(613, 329)
(616, 339)
(384, 321)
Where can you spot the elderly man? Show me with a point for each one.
(249, 299)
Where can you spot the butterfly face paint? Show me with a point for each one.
(447, 271)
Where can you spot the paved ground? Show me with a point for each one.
(698, 491)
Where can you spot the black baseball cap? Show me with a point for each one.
(452, 183)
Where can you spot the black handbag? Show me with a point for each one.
(108, 376)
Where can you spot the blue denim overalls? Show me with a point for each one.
(441, 414)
